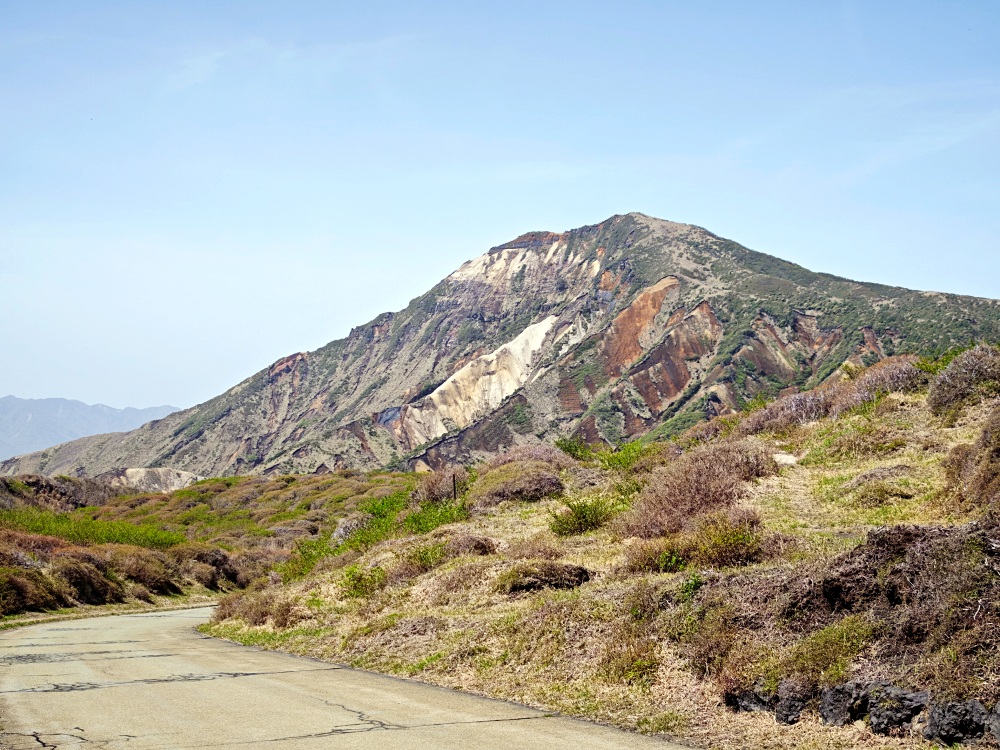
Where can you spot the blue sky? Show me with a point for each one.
(190, 190)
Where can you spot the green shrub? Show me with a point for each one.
(723, 541)
(690, 586)
(576, 448)
(429, 557)
(625, 457)
(359, 583)
(582, 515)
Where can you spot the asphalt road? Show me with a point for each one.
(151, 681)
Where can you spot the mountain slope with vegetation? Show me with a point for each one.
(630, 327)
(816, 571)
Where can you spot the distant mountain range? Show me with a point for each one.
(29, 424)
(609, 332)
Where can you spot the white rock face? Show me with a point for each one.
(476, 389)
(150, 480)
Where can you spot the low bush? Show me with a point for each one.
(727, 540)
(973, 471)
(29, 590)
(896, 374)
(88, 584)
(534, 576)
(470, 544)
(582, 515)
(655, 556)
(631, 661)
(971, 375)
(575, 447)
(533, 548)
(360, 583)
(625, 457)
(154, 570)
(709, 478)
(540, 453)
(525, 481)
(445, 484)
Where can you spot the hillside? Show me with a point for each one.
(67, 542)
(624, 328)
(817, 572)
(29, 424)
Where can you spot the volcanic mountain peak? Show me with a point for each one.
(610, 331)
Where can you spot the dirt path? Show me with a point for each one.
(151, 681)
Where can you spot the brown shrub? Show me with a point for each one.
(470, 544)
(893, 375)
(709, 478)
(539, 453)
(525, 481)
(655, 556)
(251, 565)
(533, 548)
(969, 377)
(533, 576)
(28, 591)
(256, 608)
(154, 570)
(436, 486)
(87, 583)
(974, 470)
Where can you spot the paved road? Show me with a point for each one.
(151, 681)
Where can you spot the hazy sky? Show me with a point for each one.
(190, 190)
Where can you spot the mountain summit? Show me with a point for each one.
(609, 332)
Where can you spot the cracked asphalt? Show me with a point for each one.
(151, 681)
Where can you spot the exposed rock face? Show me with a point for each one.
(150, 480)
(607, 331)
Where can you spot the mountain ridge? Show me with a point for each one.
(611, 331)
(28, 424)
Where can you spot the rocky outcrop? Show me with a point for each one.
(607, 331)
(149, 480)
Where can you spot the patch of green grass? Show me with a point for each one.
(432, 515)
(825, 656)
(422, 664)
(266, 639)
(668, 722)
(80, 529)
(624, 458)
(583, 515)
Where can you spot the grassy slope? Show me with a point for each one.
(142, 549)
(611, 650)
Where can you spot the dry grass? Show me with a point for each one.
(725, 594)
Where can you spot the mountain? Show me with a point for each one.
(28, 424)
(632, 326)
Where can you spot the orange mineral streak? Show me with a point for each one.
(621, 344)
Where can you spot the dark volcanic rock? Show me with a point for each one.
(891, 708)
(756, 699)
(956, 721)
(792, 699)
(843, 704)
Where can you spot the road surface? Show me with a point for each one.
(151, 681)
